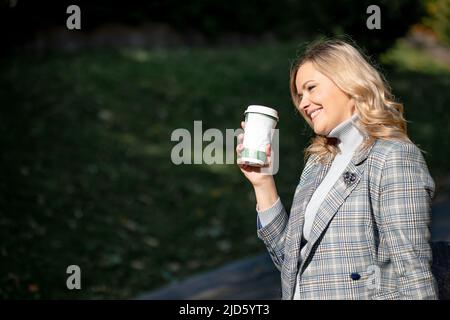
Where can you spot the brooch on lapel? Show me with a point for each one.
(349, 178)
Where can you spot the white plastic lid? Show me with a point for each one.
(264, 110)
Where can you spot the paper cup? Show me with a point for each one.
(259, 124)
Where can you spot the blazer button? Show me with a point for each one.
(355, 276)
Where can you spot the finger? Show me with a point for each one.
(243, 166)
(240, 137)
(268, 162)
(243, 124)
(239, 148)
(269, 153)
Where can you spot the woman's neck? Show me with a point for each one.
(348, 135)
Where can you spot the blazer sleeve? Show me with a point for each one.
(406, 191)
(274, 233)
(274, 230)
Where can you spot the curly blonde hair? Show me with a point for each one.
(379, 115)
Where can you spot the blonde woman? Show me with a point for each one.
(359, 223)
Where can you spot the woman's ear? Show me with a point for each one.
(351, 104)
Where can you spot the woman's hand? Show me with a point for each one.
(253, 174)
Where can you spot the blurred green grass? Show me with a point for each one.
(86, 172)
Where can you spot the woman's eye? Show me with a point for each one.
(311, 87)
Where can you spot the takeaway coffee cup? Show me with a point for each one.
(259, 124)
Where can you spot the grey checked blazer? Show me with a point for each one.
(370, 238)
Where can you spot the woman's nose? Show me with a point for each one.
(304, 104)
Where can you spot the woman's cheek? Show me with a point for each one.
(317, 98)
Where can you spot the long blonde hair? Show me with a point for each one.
(379, 115)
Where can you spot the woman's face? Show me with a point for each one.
(322, 103)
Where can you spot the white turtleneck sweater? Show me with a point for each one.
(349, 139)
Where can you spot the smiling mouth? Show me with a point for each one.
(315, 114)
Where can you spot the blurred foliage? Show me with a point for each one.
(406, 57)
(86, 172)
(438, 19)
(286, 19)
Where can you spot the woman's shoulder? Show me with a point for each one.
(396, 150)
(401, 161)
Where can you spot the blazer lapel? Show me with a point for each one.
(301, 198)
(335, 198)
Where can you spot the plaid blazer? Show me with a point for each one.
(370, 237)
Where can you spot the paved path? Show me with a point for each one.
(251, 278)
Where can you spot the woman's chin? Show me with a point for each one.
(320, 130)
